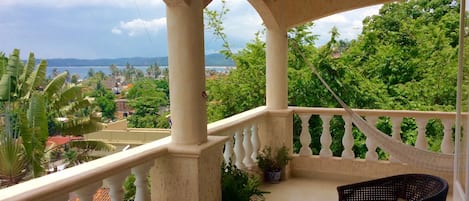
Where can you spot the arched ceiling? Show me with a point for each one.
(284, 14)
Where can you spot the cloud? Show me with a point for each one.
(79, 3)
(116, 31)
(139, 26)
(337, 18)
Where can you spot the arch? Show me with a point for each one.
(284, 14)
(302, 11)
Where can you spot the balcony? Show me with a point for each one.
(308, 176)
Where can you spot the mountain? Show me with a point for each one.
(210, 60)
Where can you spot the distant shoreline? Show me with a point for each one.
(82, 71)
(210, 60)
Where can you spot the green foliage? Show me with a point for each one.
(246, 81)
(405, 58)
(129, 188)
(30, 105)
(410, 51)
(105, 100)
(146, 97)
(237, 185)
(78, 151)
(14, 163)
(270, 159)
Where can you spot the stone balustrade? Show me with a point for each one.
(84, 180)
(244, 143)
(395, 117)
(245, 131)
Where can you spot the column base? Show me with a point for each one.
(189, 172)
(277, 132)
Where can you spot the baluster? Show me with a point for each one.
(87, 192)
(370, 143)
(447, 143)
(326, 138)
(247, 148)
(239, 150)
(305, 136)
(228, 153)
(256, 145)
(396, 133)
(347, 140)
(141, 175)
(115, 183)
(421, 142)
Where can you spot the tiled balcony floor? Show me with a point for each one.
(307, 189)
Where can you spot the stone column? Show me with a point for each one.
(192, 169)
(189, 172)
(276, 72)
(279, 127)
(186, 61)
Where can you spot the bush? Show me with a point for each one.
(237, 185)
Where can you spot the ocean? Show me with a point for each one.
(82, 71)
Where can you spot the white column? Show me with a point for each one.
(115, 184)
(186, 63)
(421, 141)
(276, 72)
(228, 153)
(447, 146)
(239, 149)
(305, 136)
(247, 147)
(326, 138)
(256, 145)
(370, 143)
(396, 133)
(87, 192)
(141, 183)
(347, 140)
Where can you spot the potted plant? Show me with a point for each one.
(238, 185)
(272, 162)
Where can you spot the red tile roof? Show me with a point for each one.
(101, 195)
(60, 140)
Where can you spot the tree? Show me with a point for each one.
(243, 88)
(27, 101)
(153, 71)
(78, 151)
(405, 58)
(146, 97)
(14, 164)
(105, 100)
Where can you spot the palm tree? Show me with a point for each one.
(13, 164)
(27, 104)
(79, 151)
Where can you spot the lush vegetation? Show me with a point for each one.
(33, 108)
(237, 185)
(405, 58)
(147, 97)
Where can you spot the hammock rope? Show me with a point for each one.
(403, 152)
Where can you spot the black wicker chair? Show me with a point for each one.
(411, 187)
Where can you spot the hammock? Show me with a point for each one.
(403, 152)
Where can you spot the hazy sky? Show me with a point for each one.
(90, 29)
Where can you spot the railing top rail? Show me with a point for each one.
(231, 122)
(73, 178)
(376, 112)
